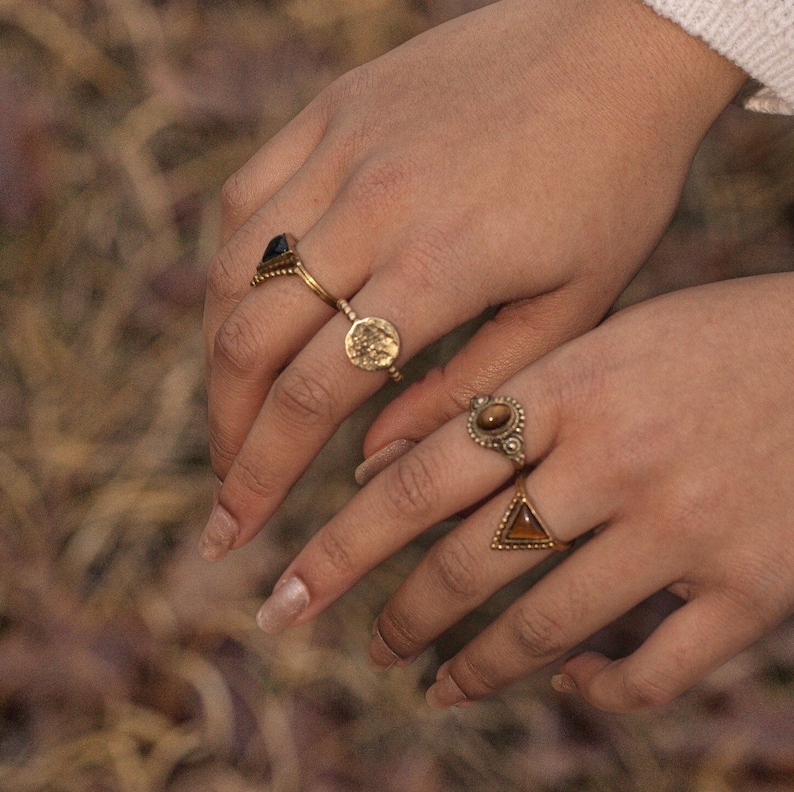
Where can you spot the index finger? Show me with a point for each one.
(270, 168)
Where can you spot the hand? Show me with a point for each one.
(671, 427)
(528, 154)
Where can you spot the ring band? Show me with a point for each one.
(371, 344)
(522, 528)
(496, 422)
(281, 258)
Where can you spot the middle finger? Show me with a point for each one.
(312, 396)
(442, 475)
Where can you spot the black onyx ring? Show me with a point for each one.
(496, 422)
(281, 258)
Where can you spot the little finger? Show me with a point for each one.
(587, 591)
(462, 570)
(688, 645)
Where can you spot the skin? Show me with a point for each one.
(528, 155)
(670, 428)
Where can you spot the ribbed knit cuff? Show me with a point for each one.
(757, 35)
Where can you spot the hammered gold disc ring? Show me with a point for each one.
(371, 344)
(281, 258)
(497, 422)
(522, 528)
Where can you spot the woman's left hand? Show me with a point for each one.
(671, 426)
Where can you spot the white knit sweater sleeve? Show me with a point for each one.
(757, 35)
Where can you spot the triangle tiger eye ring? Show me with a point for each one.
(281, 258)
(496, 422)
(522, 528)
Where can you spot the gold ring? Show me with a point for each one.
(496, 422)
(371, 344)
(281, 258)
(522, 528)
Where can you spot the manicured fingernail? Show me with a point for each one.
(373, 465)
(284, 605)
(380, 656)
(219, 535)
(563, 683)
(445, 693)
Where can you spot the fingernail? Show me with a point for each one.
(563, 683)
(445, 693)
(373, 465)
(380, 656)
(219, 535)
(216, 489)
(284, 605)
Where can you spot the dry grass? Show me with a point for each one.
(128, 664)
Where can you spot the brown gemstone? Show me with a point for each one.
(494, 417)
(523, 526)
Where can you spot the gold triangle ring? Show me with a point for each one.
(522, 528)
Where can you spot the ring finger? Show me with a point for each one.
(461, 570)
(268, 329)
(587, 591)
(309, 400)
(442, 475)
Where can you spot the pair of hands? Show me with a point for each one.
(525, 156)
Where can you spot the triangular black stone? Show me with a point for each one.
(276, 247)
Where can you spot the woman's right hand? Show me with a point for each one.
(528, 155)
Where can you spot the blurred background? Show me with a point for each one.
(127, 663)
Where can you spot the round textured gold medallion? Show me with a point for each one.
(372, 343)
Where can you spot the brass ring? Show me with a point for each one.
(371, 344)
(496, 422)
(522, 528)
(281, 258)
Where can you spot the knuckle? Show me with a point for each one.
(577, 377)
(335, 551)
(221, 280)
(398, 629)
(454, 566)
(305, 397)
(428, 258)
(687, 505)
(537, 634)
(235, 197)
(379, 184)
(755, 586)
(349, 86)
(641, 690)
(251, 479)
(410, 487)
(352, 140)
(238, 345)
(223, 450)
(476, 677)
